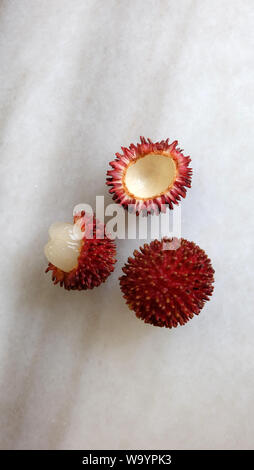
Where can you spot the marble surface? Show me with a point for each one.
(78, 80)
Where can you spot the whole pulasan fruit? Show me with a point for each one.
(167, 287)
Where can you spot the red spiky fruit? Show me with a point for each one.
(149, 176)
(96, 258)
(167, 287)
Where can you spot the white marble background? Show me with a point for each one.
(80, 78)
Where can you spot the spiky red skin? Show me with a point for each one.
(95, 262)
(134, 152)
(167, 287)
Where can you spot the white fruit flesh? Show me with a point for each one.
(63, 248)
(150, 176)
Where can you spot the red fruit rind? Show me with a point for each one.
(156, 204)
(96, 260)
(167, 287)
